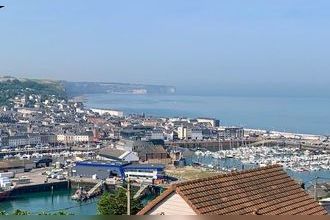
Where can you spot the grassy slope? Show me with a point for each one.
(45, 88)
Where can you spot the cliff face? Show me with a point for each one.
(80, 88)
(11, 87)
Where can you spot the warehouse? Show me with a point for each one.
(103, 170)
(98, 169)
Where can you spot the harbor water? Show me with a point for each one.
(59, 200)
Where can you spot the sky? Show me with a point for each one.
(203, 46)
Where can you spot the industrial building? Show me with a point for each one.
(103, 170)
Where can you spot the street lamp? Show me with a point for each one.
(2, 6)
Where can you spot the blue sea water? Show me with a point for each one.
(292, 114)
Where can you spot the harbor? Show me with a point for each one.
(303, 165)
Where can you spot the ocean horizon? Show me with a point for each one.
(307, 115)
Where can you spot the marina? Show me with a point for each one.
(303, 165)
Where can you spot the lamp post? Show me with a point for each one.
(2, 6)
(128, 197)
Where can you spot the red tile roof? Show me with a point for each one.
(263, 191)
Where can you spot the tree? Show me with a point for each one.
(3, 213)
(116, 204)
(21, 212)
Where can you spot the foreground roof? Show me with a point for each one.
(263, 191)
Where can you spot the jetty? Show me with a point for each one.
(141, 191)
(83, 195)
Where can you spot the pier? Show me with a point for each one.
(83, 195)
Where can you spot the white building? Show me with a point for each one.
(196, 134)
(144, 173)
(25, 139)
(74, 138)
(213, 122)
(108, 111)
(113, 154)
(184, 133)
(156, 134)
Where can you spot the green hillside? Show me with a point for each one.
(12, 87)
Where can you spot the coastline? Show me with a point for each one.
(107, 105)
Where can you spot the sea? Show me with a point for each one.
(304, 115)
(299, 115)
(308, 115)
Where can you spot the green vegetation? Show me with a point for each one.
(23, 212)
(11, 88)
(116, 204)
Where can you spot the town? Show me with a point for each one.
(54, 143)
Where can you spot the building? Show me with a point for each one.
(231, 132)
(134, 134)
(196, 134)
(16, 166)
(211, 121)
(102, 170)
(22, 140)
(155, 134)
(263, 191)
(118, 155)
(146, 173)
(108, 112)
(152, 154)
(48, 138)
(88, 136)
(184, 133)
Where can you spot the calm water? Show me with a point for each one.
(44, 201)
(303, 115)
(59, 201)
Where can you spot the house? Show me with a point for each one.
(117, 154)
(153, 154)
(262, 191)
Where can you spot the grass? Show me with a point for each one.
(190, 173)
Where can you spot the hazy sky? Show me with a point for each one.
(205, 43)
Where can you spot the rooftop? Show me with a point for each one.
(263, 191)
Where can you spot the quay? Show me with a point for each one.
(38, 183)
(41, 187)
